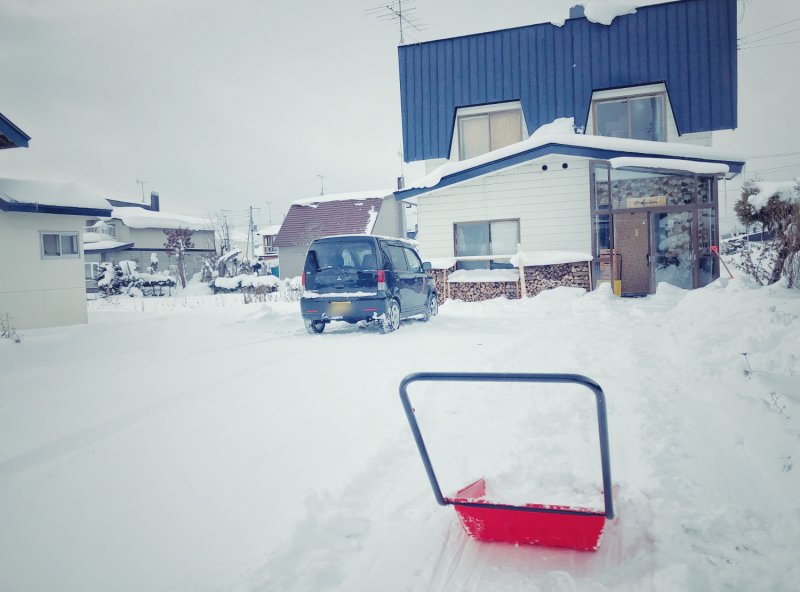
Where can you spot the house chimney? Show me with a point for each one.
(155, 205)
(576, 11)
(401, 183)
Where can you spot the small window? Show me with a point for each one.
(414, 263)
(638, 118)
(483, 239)
(60, 244)
(399, 262)
(479, 134)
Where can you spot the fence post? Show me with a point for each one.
(521, 266)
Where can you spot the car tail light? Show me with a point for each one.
(303, 280)
(381, 279)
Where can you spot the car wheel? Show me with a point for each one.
(431, 309)
(391, 320)
(315, 327)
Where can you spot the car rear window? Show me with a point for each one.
(357, 254)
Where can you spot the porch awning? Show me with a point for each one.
(672, 165)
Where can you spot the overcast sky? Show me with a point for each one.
(226, 105)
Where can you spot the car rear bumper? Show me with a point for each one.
(346, 309)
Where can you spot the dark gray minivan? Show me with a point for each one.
(360, 277)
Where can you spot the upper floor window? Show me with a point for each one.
(59, 244)
(638, 118)
(484, 132)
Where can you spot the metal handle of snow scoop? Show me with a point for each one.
(602, 425)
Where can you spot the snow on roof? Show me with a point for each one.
(561, 132)
(354, 196)
(604, 13)
(105, 245)
(671, 164)
(138, 218)
(51, 193)
(786, 190)
(270, 230)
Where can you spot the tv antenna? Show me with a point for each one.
(322, 184)
(401, 12)
(141, 183)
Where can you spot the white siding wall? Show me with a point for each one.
(700, 138)
(390, 219)
(552, 207)
(39, 292)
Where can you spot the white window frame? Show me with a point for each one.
(464, 112)
(491, 256)
(60, 234)
(627, 98)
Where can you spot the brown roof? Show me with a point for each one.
(309, 220)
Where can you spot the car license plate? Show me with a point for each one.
(339, 308)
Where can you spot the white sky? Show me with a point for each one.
(226, 105)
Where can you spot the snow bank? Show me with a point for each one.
(246, 281)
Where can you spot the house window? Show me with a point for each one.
(482, 133)
(59, 244)
(638, 118)
(484, 239)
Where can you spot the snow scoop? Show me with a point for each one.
(535, 524)
(715, 250)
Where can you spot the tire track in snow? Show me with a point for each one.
(75, 443)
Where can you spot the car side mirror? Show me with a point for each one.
(426, 266)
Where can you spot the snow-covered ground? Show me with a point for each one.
(198, 443)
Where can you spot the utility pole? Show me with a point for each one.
(251, 251)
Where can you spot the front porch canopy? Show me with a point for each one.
(633, 154)
(11, 136)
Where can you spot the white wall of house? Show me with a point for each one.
(292, 261)
(37, 291)
(390, 219)
(552, 206)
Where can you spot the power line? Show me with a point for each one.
(775, 155)
(743, 37)
(768, 37)
(780, 168)
(769, 45)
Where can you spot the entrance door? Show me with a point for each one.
(632, 244)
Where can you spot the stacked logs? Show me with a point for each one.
(537, 279)
(477, 291)
(544, 277)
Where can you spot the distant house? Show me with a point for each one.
(41, 259)
(367, 212)
(586, 142)
(266, 251)
(134, 231)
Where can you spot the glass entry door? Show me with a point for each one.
(673, 253)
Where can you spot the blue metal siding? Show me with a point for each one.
(690, 45)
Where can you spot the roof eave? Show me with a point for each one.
(34, 208)
(735, 167)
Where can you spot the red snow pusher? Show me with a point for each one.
(536, 524)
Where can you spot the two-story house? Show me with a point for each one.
(136, 231)
(579, 151)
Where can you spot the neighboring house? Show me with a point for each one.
(134, 231)
(586, 144)
(41, 261)
(266, 251)
(366, 212)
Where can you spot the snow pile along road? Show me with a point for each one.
(223, 448)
